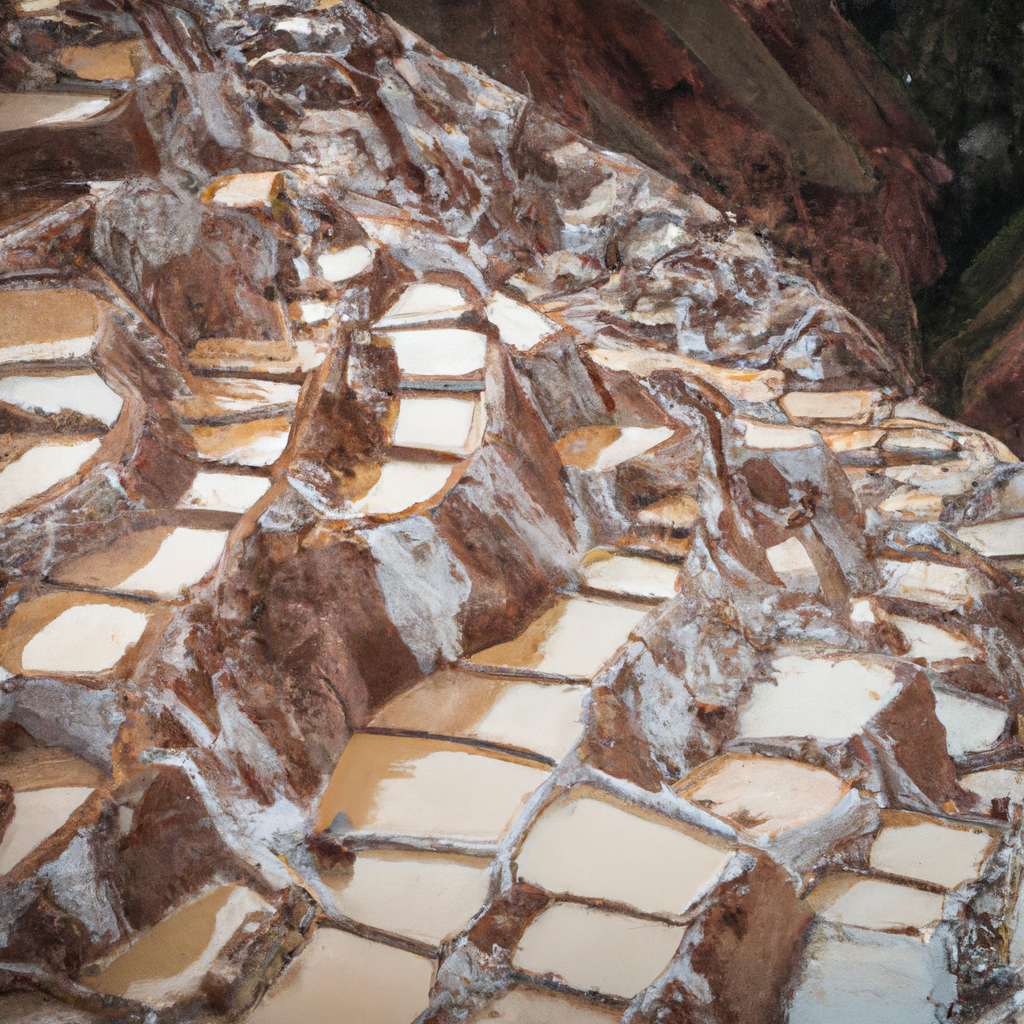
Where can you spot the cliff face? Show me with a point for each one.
(962, 64)
(774, 111)
(453, 572)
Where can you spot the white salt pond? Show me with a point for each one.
(763, 795)
(745, 385)
(970, 725)
(420, 787)
(771, 436)
(996, 784)
(629, 575)
(169, 962)
(872, 903)
(37, 815)
(790, 558)
(944, 586)
(245, 190)
(932, 643)
(315, 312)
(678, 512)
(593, 950)
(919, 440)
(573, 639)
(41, 468)
(940, 854)
(182, 560)
(85, 639)
(224, 492)
(423, 302)
(817, 697)
(339, 978)
(424, 896)
(590, 847)
(840, 406)
(86, 393)
(603, 448)
(518, 325)
(348, 263)
(540, 717)
(438, 352)
(401, 485)
(453, 425)
(1002, 538)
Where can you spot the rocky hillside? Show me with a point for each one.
(456, 572)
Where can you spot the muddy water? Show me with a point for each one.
(339, 978)
(593, 950)
(840, 406)
(25, 109)
(535, 1006)
(542, 717)
(258, 443)
(423, 787)
(47, 768)
(183, 559)
(422, 896)
(602, 448)
(170, 960)
(106, 568)
(104, 61)
(37, 815)
(593, 848)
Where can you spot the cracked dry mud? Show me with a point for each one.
(450, 573)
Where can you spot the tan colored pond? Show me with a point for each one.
(542, 717)
(339, 978)
(420, 787)
(594, 848)
(37, 815)
(593, 950)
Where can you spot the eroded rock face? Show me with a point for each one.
(775, 112)
(411, 612)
